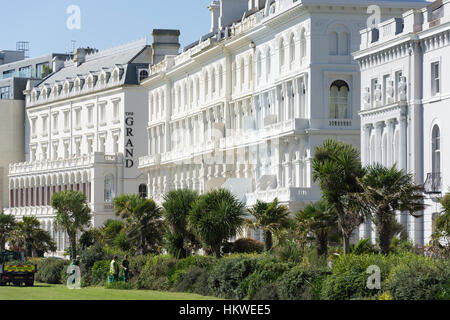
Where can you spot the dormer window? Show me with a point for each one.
(143, 74)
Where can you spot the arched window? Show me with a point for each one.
(143, 191)
(339, 91)
(344, 44)
(292, 49)
(213, 80)
(268, 62)
(109, 189)
(197, 86)
(258, 65)
(333, 40)
(281, 52)
(143, 74)
(250, 70)
(191, 92)
(242, 73)
(436, 149)
(302, 44)
(206, 84)
(234, 73)
(220, 77)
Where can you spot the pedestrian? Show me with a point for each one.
(114, 269)
(126, 268)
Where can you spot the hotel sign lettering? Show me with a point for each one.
(129, 138)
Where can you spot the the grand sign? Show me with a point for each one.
(129, 138)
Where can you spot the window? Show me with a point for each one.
(435, 78)
(386, 79)
(143, 74)
(333, 40)
(78, 119)
(8, 74)
(116, 110)
(282, 55)
(44, 125)
(436, 149)
(143, 191)
(5, 93)
(242, 73)
(55, 123)
(258, 65)
(90, 115)
(102, 113)
(302, 44)
(39, 69)
(373, 87)
(109, 189)
(292, 50)
(339, 91)
(221, 75)
(268, 63)
(398, 76)
(213, 80)
(66, 120)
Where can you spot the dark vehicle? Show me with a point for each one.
(15, 273)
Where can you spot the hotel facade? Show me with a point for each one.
(404, 105)
(85, 125)
(245, 107)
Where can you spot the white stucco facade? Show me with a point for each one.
(245, 107)
(84, 125)
(405, 94)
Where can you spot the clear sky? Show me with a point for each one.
(104, 23)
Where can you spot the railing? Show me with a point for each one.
(433, 183)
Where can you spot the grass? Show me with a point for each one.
(61, 292)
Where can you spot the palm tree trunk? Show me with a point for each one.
(384, 238)
(268, 241)
(322, 244)
(73, 246)
(216, 250)
(346, 244)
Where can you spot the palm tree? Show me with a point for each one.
(177, 206)
(386, 191)
(317, 218)
(270, 218)
(144, 226)
(337, 166)
(216, 217)
(7, 225)
(72, 215)
(28, 236)
(125, 204)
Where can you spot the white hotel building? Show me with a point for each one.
(85, 129)
(405, 104)
(245, 107)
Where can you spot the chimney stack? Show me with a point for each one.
(214, 8)
(81, 53)
(165, 42)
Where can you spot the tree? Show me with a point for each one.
(318, 219)
(336, 167)
(177, 206)
(29, 237)
(46, 71)
(270, 218)
(73, 215)
(440, 241)
(144, 226)
(125, 204)
(7, 225)
(90, 237)
(215, 217)
(386, 191)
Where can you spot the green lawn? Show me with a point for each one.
(61, 292)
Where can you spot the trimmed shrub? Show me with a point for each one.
(418, 278)
(154, 274)
(349, 276)
(194, 280)
(267, 272)
(244, 245)
(50, 270)
(301, 283)
(182, 266)
(226, 277)
(100, 271)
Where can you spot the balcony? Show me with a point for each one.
(433, 184)
(284, 195)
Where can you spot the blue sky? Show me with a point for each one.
(104, 23)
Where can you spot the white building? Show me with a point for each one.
(405, 98)
(245, 107)
(85, 126)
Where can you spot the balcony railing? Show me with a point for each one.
(433, 183)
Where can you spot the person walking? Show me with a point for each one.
(126, 268)
(114, 269)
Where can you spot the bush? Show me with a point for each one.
(194, 280)
(182, 266)
(349, 276)
(244, 245)
(50, 270)
(364, 246)
(267, 292)
(301, 283)
(100, 271)
(154, 274)
(418, 278)
(226, 277)
(267, 272)
(399, 246)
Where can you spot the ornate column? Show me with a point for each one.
(366, 144)
(390, 137)
(403, 143)
(378, 141)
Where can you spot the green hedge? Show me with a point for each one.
(51, 270)
(100, 271)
